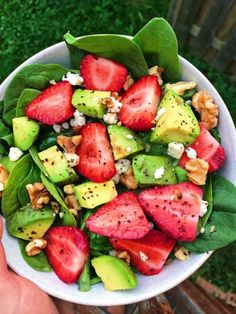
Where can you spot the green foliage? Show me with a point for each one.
(25, 98)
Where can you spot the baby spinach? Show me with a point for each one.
(35, 76)
(209, 198)
(116, 47)
(25, 98)
(1, 107)
(10, 202)
(5, 134)
(34, 154)
(159, 45)
(38, 262)
(220, 228)
(84, 279)
(68, 219)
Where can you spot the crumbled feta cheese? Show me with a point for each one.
(116, 178)
(116, 105)
(159, 114)
(72, 159)
(78, 120)
(159, 172)
(128, 149)
(61, 214)
(129, 136)
(73, 78)
(65, 125)
(212, 229)
(110, 118)
(113, 253)
(1, 187)
(203, 208)
(143, 256)
(53, 82)
(152, 129)
(57, 128)
(175, 149)
(54, 214)
(202, 230)
(122, 165)
(147, 148)
(191, 153)
(188, 102)
(15, 153)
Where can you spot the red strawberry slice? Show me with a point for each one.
(174, 209)
(102, 74)
(53, 105)
(208, 149)
(67, 250)
(122, 218)
(96, 160)
(139, 104)
(147, 254)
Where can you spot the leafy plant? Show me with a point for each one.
(26, 96)
(209, 198)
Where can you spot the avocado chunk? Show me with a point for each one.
(7, 163)
(89, 102)
(124, 142)
(28, 223)
(153, 170)
(57, 166)
(181, 174)
(25, 132)
(177, 122)
(114, 273)
(90, 194)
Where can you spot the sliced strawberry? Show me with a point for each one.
(208, 149)
(53, 105)
(174, 209)
(67, 250)
(147, 254)
(102, 74)
(139, 104)
(122, 218)
(96, 160)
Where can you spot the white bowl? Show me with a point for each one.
(172, 274)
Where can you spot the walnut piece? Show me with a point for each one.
(56, 207)
(207, 108)
(38, 194)
(129, 81)
(69, 189)
(69, 143)
(35, 247)
(3, 178)
(72, 203)
(181, 253)
(197, 170)
(127, 179)
(156, 71)
(181, 87)
(124, 256)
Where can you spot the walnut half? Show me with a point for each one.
(69, 143)
(127, 179)
(35, 247)
(38, 194)
(197, 170)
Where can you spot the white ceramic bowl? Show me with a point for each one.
(172, 274)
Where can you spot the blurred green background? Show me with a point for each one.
(27, 27)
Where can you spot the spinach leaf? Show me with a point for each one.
(38, 262)
(3, 149)
(25, 98)
(209, 198)
(116, 47)
(68, 219)
(84, 279)
(10, 202)
(220, 228)
(159, 45)
(216, 134)
(1, 107)
(34, 154)
(36, 76)
(5, 134)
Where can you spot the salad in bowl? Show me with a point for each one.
(108, 169)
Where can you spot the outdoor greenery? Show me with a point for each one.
(27, 27)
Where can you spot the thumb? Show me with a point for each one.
(3, 262)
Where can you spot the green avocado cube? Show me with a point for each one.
(90, 194)
(124, 142)
(89, 102)
(153, 170)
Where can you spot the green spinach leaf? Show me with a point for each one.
(159, 45)
(38, 262)
(35, 76)
(10, 201)
(1, 107)
(5, 134)
(209, 198)
(25, 98)
(34, 154)
(115, 47)
(220, 228)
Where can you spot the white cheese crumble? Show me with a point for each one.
(1, 187)
(143, 256)
(61, 214)
(15, 153)
(203, 208)
(129, 136)
(116, 178)
(147, 148)
(53, 82)
(73, 78)
(110, 118)
(191, 153)
(202, 230)
(116, 105)
(159, 114)
(212, 229)
(72, 159)
(78, 120)
(175, 149)
(112, 253)
(122, 165)
(57, 128)
(188, 102)
(159, 172)
(65, 125)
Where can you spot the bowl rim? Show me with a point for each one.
(130, 298)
